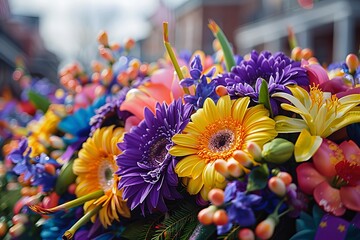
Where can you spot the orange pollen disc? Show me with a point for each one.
(221, 139)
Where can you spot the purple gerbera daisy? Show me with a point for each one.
(110, 114)
(277, 70)
(145, 165)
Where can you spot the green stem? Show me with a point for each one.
(74, 203)
(69, 234)
(172, 55)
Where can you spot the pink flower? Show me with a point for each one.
(333, 177)
(163, 87)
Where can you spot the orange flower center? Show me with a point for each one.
(221, 139)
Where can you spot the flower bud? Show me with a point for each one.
(352, 61)
(115, 46)
(220, 217)
(306, 53)
(286, 177)
(296, 54)
(3, 229)
(129, 44)
(50, 169)
(17, 230)
(234, 168)
(106, 76)
(205, 216)
(243, 158)
(123, 78)
(106, 54)
(277, 186)
(265, 229)
(20, 218)
(96, 66)
(216, 196)
(135, 63)
(103, 38)
(221, 167)
(57, 142)
(221, 91)
(255, 151)
(246, 234)
(278, 150)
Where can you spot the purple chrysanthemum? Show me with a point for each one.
(109, 113)
(277, 70)
(145, 166)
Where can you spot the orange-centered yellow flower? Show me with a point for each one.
(215, 132)
(95, 168)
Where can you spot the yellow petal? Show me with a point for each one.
(239, 108)
(184, 167)
(224, 106)
(179, 151)
(289, 125)
(210, 111)
(293, 100)
(186, 140)
(199, 120)
(195, 185)
(306, 146)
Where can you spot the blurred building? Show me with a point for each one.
(20, 37)
(331, 28)
(188, 24)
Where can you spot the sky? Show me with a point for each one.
(70, 27)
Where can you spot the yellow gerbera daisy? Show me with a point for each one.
(216, 131)
(42, 129)
(95, 168)
(322, 114)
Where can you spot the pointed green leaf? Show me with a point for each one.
(264, 97)
(39, 101)
(225, 45)
(306, 234)
(258, 178)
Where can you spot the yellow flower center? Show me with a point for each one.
(221, 139)
(316, 95)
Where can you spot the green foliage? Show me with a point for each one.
(65, 178)
(258, 178)
(176, 225)
(264, 97)
(39, 101)
(142, 229)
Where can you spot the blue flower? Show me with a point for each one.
(77, 124)
(20, 157)
(41, 177)
(204, 89)
(239, 206)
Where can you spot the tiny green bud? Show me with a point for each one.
(278, 150)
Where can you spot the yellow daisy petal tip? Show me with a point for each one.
(306, 146)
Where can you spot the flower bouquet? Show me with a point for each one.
(192, 146)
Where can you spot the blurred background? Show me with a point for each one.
(47, 35)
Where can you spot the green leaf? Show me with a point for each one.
(304, 222)
(39, 101)
(306, 234)
(66, 177)
(203, 232)
(225, 45)
(173, 226)
(317, 213)
(264, 97)
(189, 229)
(258, 178)
(142, 229)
